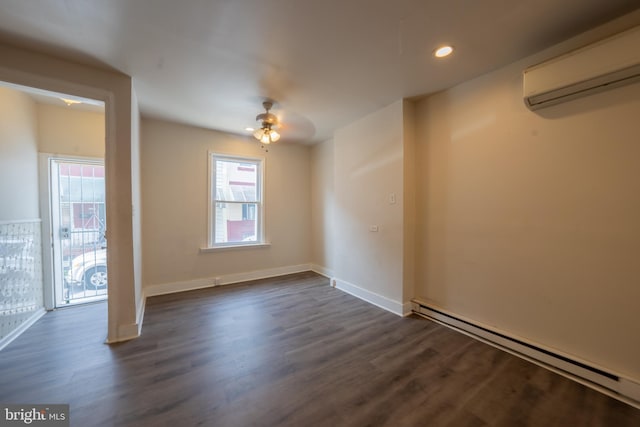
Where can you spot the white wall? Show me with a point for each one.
(528, 221)
(21, 285)
(18, 157)
(136, 200)
(174, 206)
(68, 131)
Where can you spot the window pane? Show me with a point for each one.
(236, 222)
(81, 183)
(236, 201)
(236, 181)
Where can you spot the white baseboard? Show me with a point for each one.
(630, 389)
(140, 314)
(323, 271)
(132, 330)
(125, 333)
(23, 327)
(128, 332)
(173, 287)
(586, 373)
(407, 309)
(263, 274)
(371, 297)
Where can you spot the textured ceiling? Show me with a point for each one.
(210, 63)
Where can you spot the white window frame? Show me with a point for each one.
(260, 202)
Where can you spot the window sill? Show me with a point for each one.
(234, 247)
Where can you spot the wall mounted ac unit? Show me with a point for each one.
(608, 63)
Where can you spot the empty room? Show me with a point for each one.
(339, 213)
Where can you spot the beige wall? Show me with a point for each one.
(174, 205)
(18, 157)
(524, 222)
(368, 169)
(528, 221)
(354, 176)
(409, 201)
(322, 207)
(69, 131)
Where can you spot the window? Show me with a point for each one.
(236, 201)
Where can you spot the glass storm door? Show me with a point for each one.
(78, 231)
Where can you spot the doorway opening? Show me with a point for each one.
(78, 225)
(71, 192)
(35, 121)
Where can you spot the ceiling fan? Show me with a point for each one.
(267, 133)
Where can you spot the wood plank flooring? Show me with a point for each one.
(289, 351)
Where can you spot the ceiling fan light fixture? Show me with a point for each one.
(266, 134)
(274, 136)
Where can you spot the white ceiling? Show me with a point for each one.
(210, 63)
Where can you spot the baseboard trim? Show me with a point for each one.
(23, 327)
(371, 297)
(323, 271)
(229, 279)
(407, 309)
(140, 314)
(595, 377)
(173, 287)
(125, 333)
(131, 330)
(630, 389)
(263, 274)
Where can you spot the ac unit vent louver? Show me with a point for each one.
(612, 62)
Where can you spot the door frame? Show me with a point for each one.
(46, 199)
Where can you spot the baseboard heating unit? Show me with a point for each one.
(596, 378)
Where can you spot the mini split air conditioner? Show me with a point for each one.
(608, 63)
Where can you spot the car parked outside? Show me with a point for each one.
(90, 269)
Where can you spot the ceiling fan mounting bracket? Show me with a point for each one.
(267, 117)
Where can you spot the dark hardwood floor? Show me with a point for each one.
(290, 351)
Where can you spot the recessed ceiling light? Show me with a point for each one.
(443, 51)
(70, 102)
(249, 129)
